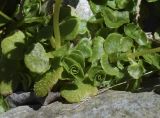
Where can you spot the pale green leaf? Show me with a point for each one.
(136, 70)
(135, 32)
(84, 46)
(6, 87)
(3, 105)
(77, 92)
(153, 59)
(115, 19)
(113, 71)
(97, 75)
(97, 49)
(13, 45)
(117, 43)
(37, 60)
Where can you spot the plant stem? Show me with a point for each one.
(138, 53)
(5, 16)
(56, 24)
(143, 52)
(108, 88)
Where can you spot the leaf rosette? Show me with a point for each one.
(97, 75)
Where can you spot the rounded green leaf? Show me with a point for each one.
(97, 49)
(37, 60)
(85, 47)
(112, 43)
(136, 70)
(117, 43)
(13, 46)
(125, 44)
(113, 71)
(135, 32)
(115, 19)
(69, 28)
(77, 92)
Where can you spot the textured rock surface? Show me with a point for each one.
(111, 104)
(83, 9)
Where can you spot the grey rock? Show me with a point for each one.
(111, 104)
(22, 98)
(83, 10)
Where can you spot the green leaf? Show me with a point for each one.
(97, 49)
(72, 67)
(37, 60)
(112, 4)
(152, 0)
(77, 55)
(66, 11)
(118, 4)
(136, 70)
(3, 105)
(69, 28)
(84, 46)
(115, 19)
(112, 43)
(77, 92)
(33, 19)
(121, 4)
(113, 71)
(157, 34)
(60, 52)
(46, 83)
(13, 46)
(153, 59)
(117, 43)
(83, 27)
(99, 2)
(97, 75)
(94, 7)
(6, 87)
(135, 32)
(4, 19)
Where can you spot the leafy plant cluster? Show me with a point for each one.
(44, 51)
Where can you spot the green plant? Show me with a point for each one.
(3, 105)
(60, 51)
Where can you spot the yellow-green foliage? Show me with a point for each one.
(42, 87)
(78, 92)
(6, 87)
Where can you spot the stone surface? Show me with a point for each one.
(22, 98)
(83, 10)
(111, 104)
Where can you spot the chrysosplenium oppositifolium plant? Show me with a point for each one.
(43, 50)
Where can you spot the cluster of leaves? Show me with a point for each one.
(106, 50)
